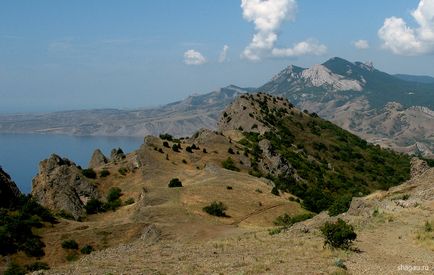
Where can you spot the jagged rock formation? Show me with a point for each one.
(60, 186)
(117, 154)
(97, 159)
(9, 192)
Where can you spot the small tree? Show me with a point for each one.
(87, 249)
(175, 147)
(339, 234)
(175, 182)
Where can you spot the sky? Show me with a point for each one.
(65, 55)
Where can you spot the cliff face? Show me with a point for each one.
(9, 192)
(60, 186)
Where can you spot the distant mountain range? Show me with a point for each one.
(391, 110)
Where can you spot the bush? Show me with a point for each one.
(123, 171)
(166, 137)
(339, 234)
(175, 182)
(166, 144)
(37, 266)
(70, 244)
(286, 221)
(216, 209)
(204, 150)
(87, 249)
(89, 173)
(275, 191)
(175, 147)
(104, 173)
(230, 165)
(340, 205)
(34, 247)
(428, 227)
(94, 206)
(113, 194)
(231, 151)
(188, 149)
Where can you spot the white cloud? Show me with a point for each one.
(192, 57)
(361, 44)
(224, 54)
(267, 17)
(401, 39)
(310, 47)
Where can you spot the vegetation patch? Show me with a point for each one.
(230, 164)
(216, 209)
(175, 182)
(17, 224)
(89, 173)
(339, 234)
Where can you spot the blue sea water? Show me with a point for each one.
(20, 154)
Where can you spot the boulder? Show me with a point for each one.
(61, 186)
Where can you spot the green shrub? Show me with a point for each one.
(188, 149)
(340, 205)
(229, 187)
(89, 173)
(104, 173)
(37, 266)
(123, 171)
(166, 144)
(339, 234)
(113, 205)
(275, 191)
(87, 249)
(63, 214)
(166, 137)
(94, 206)
(287, 221)
(231, 151)
(216, 209)
(230, 165)
(113, 194)
(70, 244)
(428, 227)
(175, 147)
(34, 247)
(204, 150)
(175, 182)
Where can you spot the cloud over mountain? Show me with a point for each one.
(402, 39)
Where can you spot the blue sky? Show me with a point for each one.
(58, 54)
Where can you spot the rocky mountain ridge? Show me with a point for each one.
(9, 192)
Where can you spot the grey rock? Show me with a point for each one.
(98, 159)
(60, 186)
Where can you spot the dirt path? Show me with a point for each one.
(257, 212)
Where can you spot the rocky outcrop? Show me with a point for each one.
(117, 154)
(418, 167)
(60, 186)
(9, 192)
(98, 159)
(273, 162)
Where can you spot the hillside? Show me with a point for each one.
(267, 159)
(374, 105)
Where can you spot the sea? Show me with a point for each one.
(20, 154)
